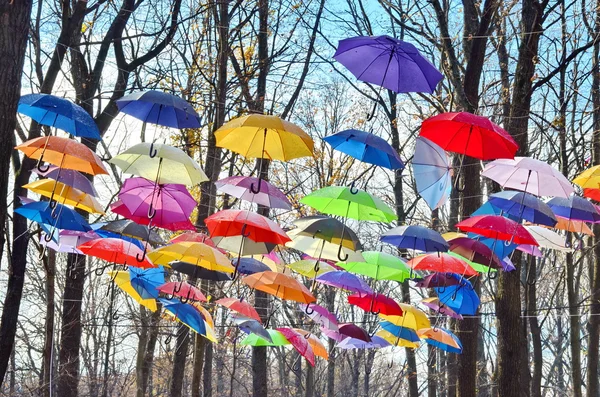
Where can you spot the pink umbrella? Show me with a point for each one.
(435, 304)
(121, 209)
(530, 249)
(300, 343)
(244, 188)
(321, 315)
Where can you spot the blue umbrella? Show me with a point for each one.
(525, 206)
(460, 298)
(366, 147)
(415, 237)
(145, 281)
(97, 227)
(251, 326)
(185, 313)
(502, 249)
(433, 172)
(400, 332)
(489, 209)
(574, 207)
(444, 346)
(249, 265)
(66, 218)
(60, 113)
(157, 107)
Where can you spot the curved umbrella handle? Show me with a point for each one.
(99, 271)
(457, 183)
(297, 365)
(372, 113)
(353, 189)
(175, 289)
(48, 237)
(184, 300)
(153, 152)
(390, 364)
(316, 268)
(168, 340)
(257, 190)
(243, 231)
(52, 203)
(151, 211)
(115, 315)
(137, 256)
(492, 275)
(339, 255)
(454, 295)
(307, 311)
(41, 168)
(441, 290)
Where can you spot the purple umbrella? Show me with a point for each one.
(376, 342)
(344, 280)
(434, 304)
(68, 241)
(575, 208)
(530, 249)
(321, 315)
(388, 62)
(335, 335)
(70, 178)
(241, 187)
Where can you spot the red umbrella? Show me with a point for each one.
(117, 251)
(497, 227)
(475, 251)
(471, 135)
(182, 290)
(354, 331)
(256, 227)
(239, 306)
(442, 263)
(376, 303)
(300, 343)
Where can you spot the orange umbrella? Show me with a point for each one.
(316, 344)
(571, 225)
(63, 152)
(280, 285)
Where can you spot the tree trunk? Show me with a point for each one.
(535, 329)
(207, 371)
(48, 353)
(179, 361)
(309, 386)
(14, 28)
(199, 349)
(330, 305)
(146, 345)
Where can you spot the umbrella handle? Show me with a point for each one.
(307, 311)
(175, 289)
(48, 237)
(297, 365)
(99, 271)
(243, 231)
(316, 268)
(492, 275)
(454, 295)
(137, 256)
(441, 290)
(184, 300)
(457, 182)
(168, 340)
(115, 315)
(390, 364)
(152, 152)
(151, 211)
(52, 203)
(257, 190)
(339, 255)
(353, 189)
(42, 168)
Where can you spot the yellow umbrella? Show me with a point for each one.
(589, 178)
(452, 235)
(209, 323)
(123, 281)
(307, 268)
(314, 342)
(411, 317)
(65, 194)
(192, 252)
(394, 340)
(263, 136)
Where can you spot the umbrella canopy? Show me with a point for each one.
(66, 240)
(366, 147)
(388, 62)
(241, 187)
(441, 263)
(249, 247)
(523, 206)
(593, 194)
(249, 265)
(350, 330)
(314, 342)
(460, 298)
(157, 107)
(412, 318)
(502, 250)
(60, 113)
(481, 266)
(66, 195)
(328, 229)
(141, 218)
(146, 281)
(350, 203)
(320, 315)
(186, 314)
(193, 237)
(549, 239)
(415, 237)
(528, 175)
(475, 251)
(41, 212)
(399, 331)
(239, 306)
(395, 341)
(105, 233)
(116, 251)
(160, 163)
(380, 266)
(469, 134)
(574, 207)
(376, 303)
(299, 343)
(573, 225)
(199, 272)
(278, 339)
(437, 280)
(589, 179)
(63, 152)
(435, 304)
(264, 136)
(199, 254)
(344, 280)
(279, 285)
(122, 279)
(71, 178)
(255, 227)
(169, 205)
(318, 248)
(129, 228)
(183, 290)
(307, 268)
(433, 172)
(352, 343)
(497, 227)
(251, 326)
(442, 339)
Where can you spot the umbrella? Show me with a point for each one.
(482, 266)
(395, 341)
(278, 339)
(129, 228)
(460, 298)
(399, 331)
(412, 318)
(475, 251)
(352, 343)
(63, 152)
(199, 254)
(548, 239)
(169, 206)
(433, 172)
(157, 107)
(280, 285)
(531, 250)
(350, 330)
(524, 206)
(350, 203)
(589, 179)
(65, 194)
(60, 113)
(193, 237)
(249, 247)
(185, 291)
(437, 280)
(528, 175)
(488, 208)
(379, 266)
(441, 263)
(247, 224)
(376, 303)
(187, 314)
(319, 248)
(574, 207)
(199, 272)
(64, 217)
(344, 280)
(122, 278)
(328, 229)
(299, 343)
(249, 265)
(321, 315)
(470, 135)
(388, 62)
(572, 225)
(146, 281)
(593, 194)
(108, 234)
(497, 227)
(251, 326)
(160, 163)
(307, 268)
(115, 251)
(314, 342)
(366, 147)
(241, 187)
(435, 304)
(119, 208)
(501, 250)
(239, 306)
(71, 178)
(415, 237)
(442, 339)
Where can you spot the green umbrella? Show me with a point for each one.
(255, 340)
(478, 267)
(350, 203)
(380, 266)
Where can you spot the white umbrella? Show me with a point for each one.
(549, 239)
